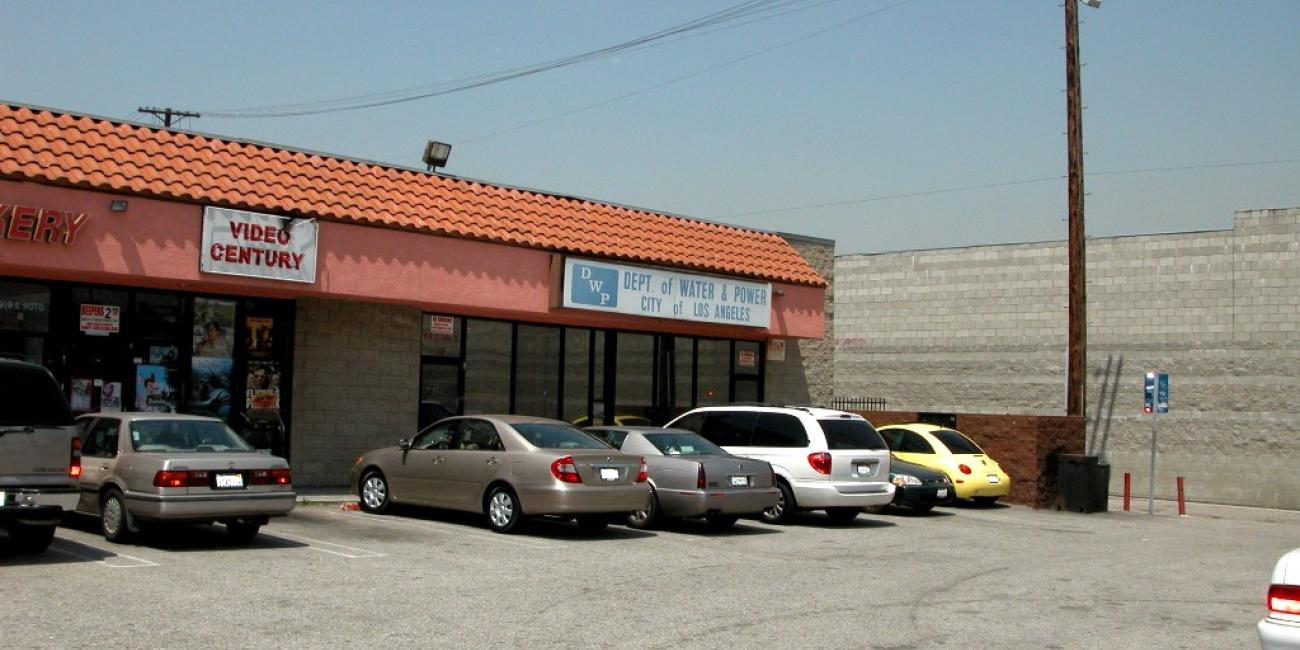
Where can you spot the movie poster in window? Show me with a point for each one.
(261, 342)
(210, 387)
(154, 391)
(110, 399)
(214, 328)
(82, 391)
(263, 386)
(162, 354)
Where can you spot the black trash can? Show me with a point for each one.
(1082, 483)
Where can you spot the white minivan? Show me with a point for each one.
(824, 459)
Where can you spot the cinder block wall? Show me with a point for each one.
(982, 330)
(807, 376)
(356, 384)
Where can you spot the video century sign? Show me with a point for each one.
(640, 291)
(258, 245)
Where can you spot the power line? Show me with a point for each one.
(1025, 181)
(688, 29)
(642, 91)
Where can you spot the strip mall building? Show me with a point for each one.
(153, 269)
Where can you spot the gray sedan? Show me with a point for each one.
(164, 467)
(692, 477)
(505, 466)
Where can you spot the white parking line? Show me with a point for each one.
(139, 562)
(317, 545)
(452, 530)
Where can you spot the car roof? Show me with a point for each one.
(510, 419)
(637, 428)
(921, 427)
(150, 415)
(816, 412)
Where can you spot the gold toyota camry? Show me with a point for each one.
(507, 467)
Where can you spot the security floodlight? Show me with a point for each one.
(436, 154)
(1095, 4)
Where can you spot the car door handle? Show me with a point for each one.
(437, 459)
(492, 461)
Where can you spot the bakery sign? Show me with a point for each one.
(39, 224)
(258, 245)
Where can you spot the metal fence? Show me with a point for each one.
(858, 403)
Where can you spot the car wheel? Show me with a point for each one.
(721, 522)
(242, 530)
(922, 508)
(374, 492)
(30, 539)
(984, 501)
(592, 523)
(112, 517)
(785, 509)
(502, 510)
(643, 519)
(843, 515)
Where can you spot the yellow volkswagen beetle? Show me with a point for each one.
(974, 475)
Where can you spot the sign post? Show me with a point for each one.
(1155, 401)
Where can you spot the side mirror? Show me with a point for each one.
(404, 444)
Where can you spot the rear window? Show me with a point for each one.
(955, 442)
(185, 435)
(683, 444)
(851, 434)
(30, 396)
(556, 436)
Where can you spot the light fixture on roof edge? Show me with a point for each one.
(436, 154)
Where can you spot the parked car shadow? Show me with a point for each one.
(701, 528)
(61, 551)
(544, 527)
(185, 538)
(974, 505)
(820, 520)
(892, 511)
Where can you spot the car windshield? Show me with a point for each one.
(851, 434)
(185, 435)
(683, 444)
(955, 442)
(556, 436)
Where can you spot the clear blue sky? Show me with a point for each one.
(929, 95)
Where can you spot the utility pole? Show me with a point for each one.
(1076, 377)
(166, 114)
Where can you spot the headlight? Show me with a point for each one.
(904, 479)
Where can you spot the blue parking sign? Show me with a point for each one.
(1155, 393)
(1162, 393)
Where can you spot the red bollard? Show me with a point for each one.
(1128, 489)
(1182, 503)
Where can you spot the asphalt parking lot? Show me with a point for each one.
(1005, 576)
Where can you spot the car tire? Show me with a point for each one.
(644, 519)
(113, 521)
(242, 531)
(922, 508)
(27, 539)
(843, 515)
(785, 510)
(374, 492)
(721, 522)
(502, 510)
(592, 523)
(984, 501)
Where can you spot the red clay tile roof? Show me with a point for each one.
(81, 151)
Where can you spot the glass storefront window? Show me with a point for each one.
(635, 376)
(714, 372)
(683, 368)
(24, 307)
(577, 368)
(441, 336)
(487, 366)
(537, 368)
(746, 359)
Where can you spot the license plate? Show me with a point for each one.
(993, 478)
(941, 493)
(229, 481)
(609, 474)
(740, 481)
(862, 469)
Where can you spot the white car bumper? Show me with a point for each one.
(829, 494)
(1279, 635)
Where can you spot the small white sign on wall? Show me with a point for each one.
(776, 350)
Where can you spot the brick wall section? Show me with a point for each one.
(1024, 445)
(807, 376)
(982, 330)
(356, 384)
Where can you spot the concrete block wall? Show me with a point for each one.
(982, 330)
(807, 376)
(356, 387)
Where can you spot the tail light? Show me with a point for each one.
(74, 458)
(564, 469)
(820, 461)
(179, 478)
(279, 476)
(700, 481)
(642, 473)
(1284, 599)
(964, 469)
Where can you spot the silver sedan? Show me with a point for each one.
(505, 466)
(692, 477)
(164, 467)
